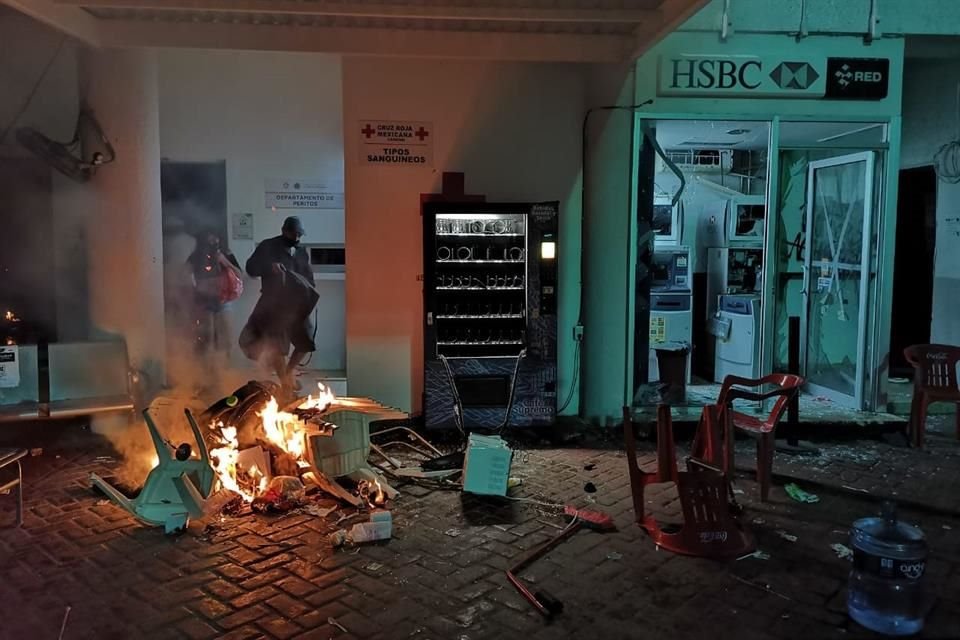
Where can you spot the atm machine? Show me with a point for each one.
(738, 345)
(671, 303)
(732, 270)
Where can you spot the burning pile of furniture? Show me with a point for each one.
(251, 452)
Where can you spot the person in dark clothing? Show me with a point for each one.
(206, 265)
(282, 316)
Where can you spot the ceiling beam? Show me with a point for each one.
(70, 20)
(673, 14)
(531, 47)
(364, 10)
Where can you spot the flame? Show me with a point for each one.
(283, 429)
(10, 316)
(224, 461)
(323, 400)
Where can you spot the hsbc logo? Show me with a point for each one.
(724, 73)
(736, 76)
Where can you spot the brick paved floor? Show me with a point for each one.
(441, 576)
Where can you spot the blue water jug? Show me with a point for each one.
(886, 584)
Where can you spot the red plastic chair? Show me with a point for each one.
(934, 380)
(785, 387)
(711, 525)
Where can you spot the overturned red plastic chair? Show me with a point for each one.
(711, 526)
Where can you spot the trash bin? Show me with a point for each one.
(672, 364)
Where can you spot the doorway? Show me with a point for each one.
(194, 201)
(836, 285)
(913, 265)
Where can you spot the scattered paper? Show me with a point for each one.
(318, 511)
(613, 555)
(800, 495)
(759, 555)
(373, 566)
(843, 551)
(453, 533)
(789, 537)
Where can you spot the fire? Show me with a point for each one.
(323, 400)
(283, 429)
(10, 316)
(224, 461)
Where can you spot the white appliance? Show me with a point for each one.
(732, 271)
(745, 220)
(738, 352)
(671, 320)
(667, 222)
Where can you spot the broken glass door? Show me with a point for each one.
(836, 276)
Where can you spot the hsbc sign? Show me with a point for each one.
(746, 76)
(740, 77)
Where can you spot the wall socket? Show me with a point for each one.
(578, 333)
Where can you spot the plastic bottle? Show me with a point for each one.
(380, 527)
(886, 584)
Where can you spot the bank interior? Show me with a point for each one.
(764, 234)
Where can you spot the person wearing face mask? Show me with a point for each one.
(282, 316)
(211, 327)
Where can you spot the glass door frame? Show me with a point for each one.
(885, 202)
(866, 233)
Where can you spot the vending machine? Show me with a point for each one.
(490, 315)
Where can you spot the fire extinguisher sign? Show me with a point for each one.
(396, 143)
(9, 367)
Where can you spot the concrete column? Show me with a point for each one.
(124, 234)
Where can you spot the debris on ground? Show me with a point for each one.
(759, 555)
(373, 566)
(613, 555)
(283, 494)
(333, 623)
(589, 466)
(789, 537)
(318, 511)
(843, 551)
(762, 587)
(379, 527)
(798, 494)
(63, 625)
(590, 487)
(453, 533)
(486, 466)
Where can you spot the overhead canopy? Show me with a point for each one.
(524, 30)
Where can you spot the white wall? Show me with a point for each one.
(269, 116)
(931, 119)
(513, 130)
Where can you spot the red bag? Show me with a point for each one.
(231, 286)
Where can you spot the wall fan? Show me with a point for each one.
(72, 159)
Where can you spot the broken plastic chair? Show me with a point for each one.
(711, 526)
(175, 489)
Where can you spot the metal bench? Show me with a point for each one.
(7, 458)
(80, 379)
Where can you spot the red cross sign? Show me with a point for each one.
(368, 131)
